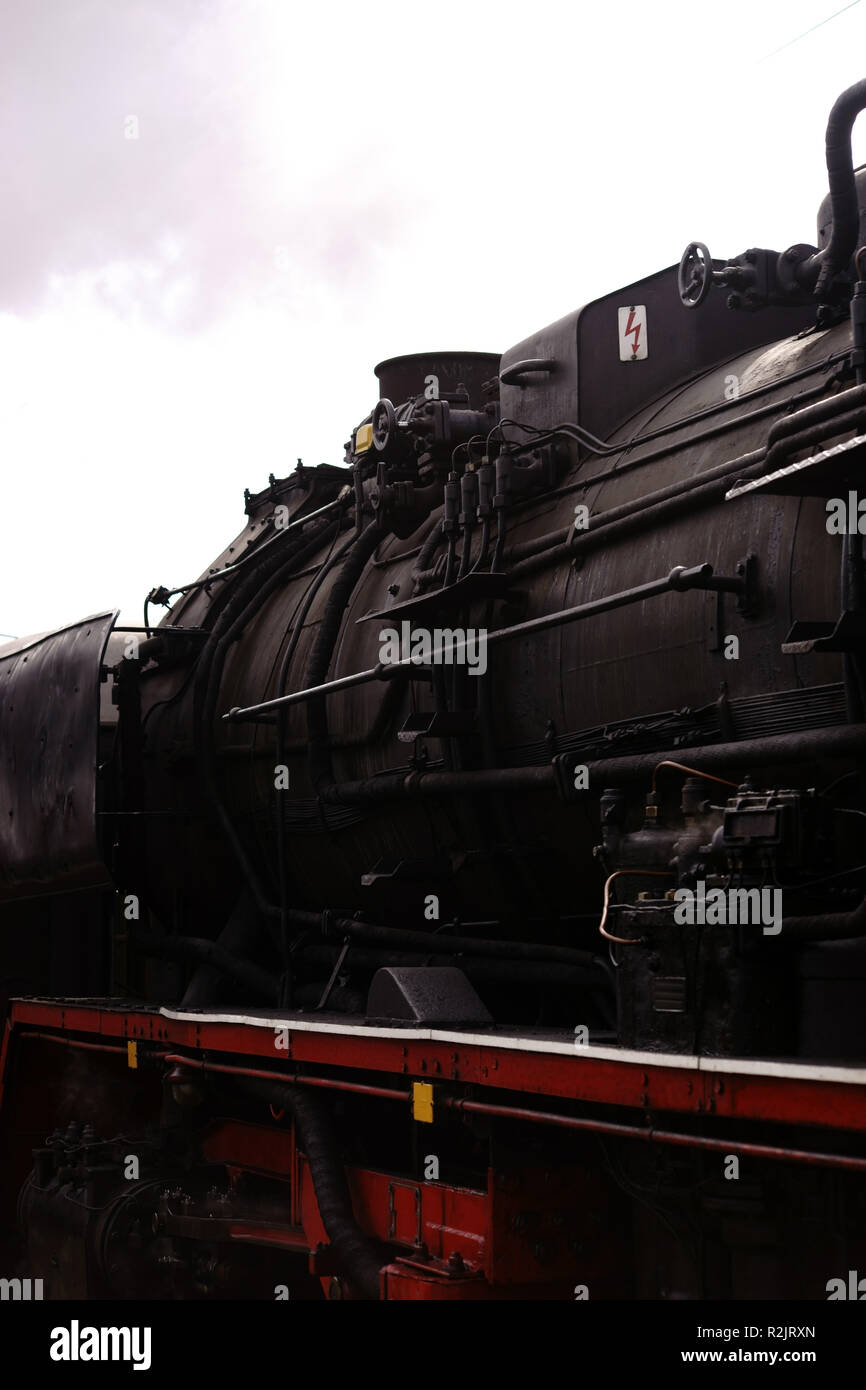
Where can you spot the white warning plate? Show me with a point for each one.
(632, 333)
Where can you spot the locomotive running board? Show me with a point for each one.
(539, 1064)
(821, 475)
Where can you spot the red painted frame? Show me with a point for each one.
(459, 1244)
(642, 1086)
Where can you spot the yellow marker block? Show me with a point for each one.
(363, 438)
(422, 1102)
(131, 1053)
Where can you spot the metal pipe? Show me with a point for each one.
(836, 404)
(120, 1049)
(659, 507)
(260, 550)
(816, 433)
(835, 256)
(838, 741)
(293, 1078)
(440, 944)
(655, 1136)
(689, 492)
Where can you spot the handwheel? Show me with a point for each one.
(384, 425)
(695, 274)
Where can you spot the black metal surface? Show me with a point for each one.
(437, 994)
(403, 377)
(49, 739)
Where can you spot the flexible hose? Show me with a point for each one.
(354, 1251)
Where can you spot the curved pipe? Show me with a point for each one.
(513, 375)
(843, 191)
(355, 1252)
(210, 953)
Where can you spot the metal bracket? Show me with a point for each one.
(846, 635)
(448, 724)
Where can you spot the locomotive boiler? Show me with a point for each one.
(518, 756)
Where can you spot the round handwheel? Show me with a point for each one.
(695, 274)
(384, 425)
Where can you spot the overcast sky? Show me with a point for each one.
(218, 215)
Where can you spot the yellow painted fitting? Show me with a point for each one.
(363, 438)
(422, 1102)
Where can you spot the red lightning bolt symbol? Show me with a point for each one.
(632, 327)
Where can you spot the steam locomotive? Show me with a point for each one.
(458, 894)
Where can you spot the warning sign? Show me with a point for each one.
(632, 333)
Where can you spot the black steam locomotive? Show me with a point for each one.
(519, 756)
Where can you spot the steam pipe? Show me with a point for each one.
(812, 414)
(840, 248)
(844, 740)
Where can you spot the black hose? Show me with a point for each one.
(354, 1251)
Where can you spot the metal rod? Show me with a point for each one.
(679, 579)
(288, 1078)
(656, 1136)
(119, 1049)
